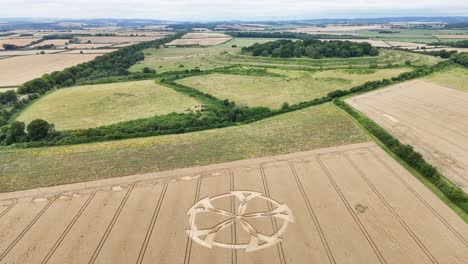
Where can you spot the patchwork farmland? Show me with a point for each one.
(271, 210)
(231, 142)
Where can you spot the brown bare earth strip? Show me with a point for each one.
(212, 186)
(27, 228)
(44, 233)
(312, 247)
(65, 232)
(83, 238)
(249, 179)
(149, 232)
(345, 239)
(395, 242)
(168, 240)
(447, 248)
(130, 228)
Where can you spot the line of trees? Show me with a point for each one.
(461, 58)
(311, 48)
(410, 156)
(456, 44)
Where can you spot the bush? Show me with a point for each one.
(39, 129)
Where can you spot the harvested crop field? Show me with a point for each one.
(452, 36)
(351, 204)
(294, 87)
(17, 41)
(336, 28)
(18, 70)
(9, 53)
(105, 104)
(114, 39)
(204, 35)
(430, 117)
(201, 42)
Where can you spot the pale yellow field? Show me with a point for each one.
(451, 36)
(332, 28)
(8, 53)
(375, 43)
(114, 39)
(18, 70)
(201, 42)
(204, 35)
(17, 41)
(430, 117)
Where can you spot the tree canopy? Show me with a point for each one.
(311, 48)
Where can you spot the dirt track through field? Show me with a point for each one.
(348, 204)
(430, 117)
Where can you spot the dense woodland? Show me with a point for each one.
(311, 48)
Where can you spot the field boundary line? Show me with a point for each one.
(150, 230)
(111, 225)
(279, 246)
(233, 227)
(312, 214)
(421, 199)
(14, 202)
(390, 208)
(188, 246)
(67, 229)
(350, 210)
(27, 228)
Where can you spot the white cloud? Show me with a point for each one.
(228, 10)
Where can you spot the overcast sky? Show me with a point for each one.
(200, 10)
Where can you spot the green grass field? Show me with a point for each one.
(455, 77)
(104, 104)
(295, 87)
(311, 128)
(181, 58)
